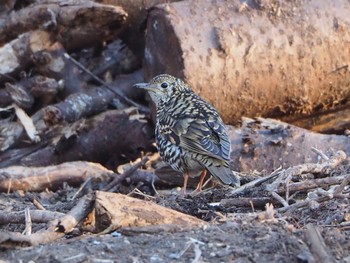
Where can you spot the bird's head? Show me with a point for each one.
(163, 87)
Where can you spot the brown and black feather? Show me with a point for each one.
(190, 134)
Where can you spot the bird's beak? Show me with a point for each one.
(146, 86)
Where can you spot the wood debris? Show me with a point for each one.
(77, 154)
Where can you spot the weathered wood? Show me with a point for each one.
(117, 92)
(49, 177)
(109, 138)
(16, 55)
(123, 211)
(78, 105)
(311, 202)
(6, 7)
(296, 172)
(37, 47)
(26, 90)
(125, 83)
(56, 228)
(268, 59)
(257, 143)
(77, 24)
(37, 216)
(116, 58)
(10, 133)
(52, 62)
(118, 179)
(317, 246)
(256, 202)
(5, 98)
(311, 184)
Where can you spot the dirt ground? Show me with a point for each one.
(235, 234)
(228, 242)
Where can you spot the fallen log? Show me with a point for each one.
(16, 55)
(110, 138)
(5, 98)
(50, 177)
(257, 143)
(123, 211)
(7, 7)
(267, 59)
(53, 63)
(115, 58)
(77, 24)
(314, 199)
(78, 105)
(26, 90)
(37, 47)
(115, 91)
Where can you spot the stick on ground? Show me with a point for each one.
(317, 245)
(56, 229)
(256, 182)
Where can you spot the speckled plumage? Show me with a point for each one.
(190, 134)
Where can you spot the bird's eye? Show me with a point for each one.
(164, 85)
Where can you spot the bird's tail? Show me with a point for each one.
(224, 174)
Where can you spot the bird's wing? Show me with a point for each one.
(205, 136)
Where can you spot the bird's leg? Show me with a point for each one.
(201, 179)
(183, 191)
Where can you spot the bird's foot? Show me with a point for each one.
(183, 192)
(196, 192)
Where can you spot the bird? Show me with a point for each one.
(189, 132)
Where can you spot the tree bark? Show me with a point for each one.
(270, 59)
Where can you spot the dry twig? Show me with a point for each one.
(317, 245)
(129, 172)
(56, 229)
(28, 229)
(280, 199)
(256, 182)
(311, 184)
(308, 201)
(141, 108)
(37, 216)
(298, 170)
(258, 202)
